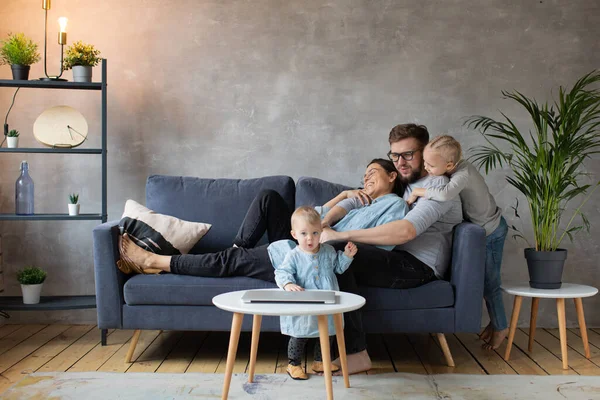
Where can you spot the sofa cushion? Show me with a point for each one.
(220, 202)
(171, 289)
(434, 294)
(316, 192)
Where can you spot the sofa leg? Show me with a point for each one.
(444, 345)
(134, 340)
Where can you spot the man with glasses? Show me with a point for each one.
(423, 239)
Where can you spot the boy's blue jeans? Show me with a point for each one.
(491, 289)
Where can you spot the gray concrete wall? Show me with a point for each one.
(242, 89)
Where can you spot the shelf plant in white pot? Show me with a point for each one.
(73, 204)
(547, 167)
(31, 280)
(81, 57)
(19, 52)
(12, 139)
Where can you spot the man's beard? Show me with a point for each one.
(413, 177)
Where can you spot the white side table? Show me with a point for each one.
(232, 302)
(566, 291)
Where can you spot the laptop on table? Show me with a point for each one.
(281, 296)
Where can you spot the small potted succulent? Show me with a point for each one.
(19, 52)
(31, 280)
(12, 139)
(73, 204)
(81, 57)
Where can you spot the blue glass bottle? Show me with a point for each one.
(24, 191)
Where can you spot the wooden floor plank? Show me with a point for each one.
(403, 355)
(380, 358)
(491, 361)
(575, 343)
(433, 359)
(268, 349)
(182, 355)
(42, 355)
(593, 336)
(116, 363)
(8, 329)
(520, 361)
(154, 355)
(542, 356)
(31, 344)
(74, 352)
(14, 338)
(100, 354)
(210, 354)
(242, 357)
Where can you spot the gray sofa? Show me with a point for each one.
(172, 302)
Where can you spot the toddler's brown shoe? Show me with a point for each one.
(296, 372)
(317, 366)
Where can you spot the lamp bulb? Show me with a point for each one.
(62, 21)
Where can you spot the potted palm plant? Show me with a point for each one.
(547, 165)
(12, 139)
(31, 280)
(81, 57)
(19, 52)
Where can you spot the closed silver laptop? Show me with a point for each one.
(281, 296)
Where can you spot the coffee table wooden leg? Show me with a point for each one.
(582, 326)
(236, 327)
(254, 346)
(341, 342)
(513, 325)
(326, 353)
(533, 321)
(562, 328)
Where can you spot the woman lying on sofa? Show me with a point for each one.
(269, 213)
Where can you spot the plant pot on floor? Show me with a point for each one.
(545, 268)
(12, 142)
(20, 72)
(73, 209)
(82, 73)
(31, 293)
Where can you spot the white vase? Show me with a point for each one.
(12, 142)
(82, 73)
(31, 293)
(73, 209)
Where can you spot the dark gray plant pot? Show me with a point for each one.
(545, 268)
(20, 72)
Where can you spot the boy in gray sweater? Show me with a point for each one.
(443, 156)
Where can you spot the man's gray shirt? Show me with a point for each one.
(433, 222)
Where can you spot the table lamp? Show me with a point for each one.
(62, 40)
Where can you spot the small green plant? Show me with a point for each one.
(31, 276)
(18, 49)
(74, 198)
(13, 133)
(83, 54)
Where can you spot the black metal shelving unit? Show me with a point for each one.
(61, 302)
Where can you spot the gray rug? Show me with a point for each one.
(103, 386)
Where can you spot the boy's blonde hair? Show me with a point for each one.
(308, 214)
(448, 147)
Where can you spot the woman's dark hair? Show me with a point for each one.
(389, 167)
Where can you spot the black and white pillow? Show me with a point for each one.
(159, 233)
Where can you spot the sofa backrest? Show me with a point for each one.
(220, 202)
(316, 192)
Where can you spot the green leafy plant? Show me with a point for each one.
(73, 198)
(13, 133)
(80, 53)
(547, 163)
(31, 276)
(18, 49)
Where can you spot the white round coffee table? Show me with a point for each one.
(566, 291)
(232, 302)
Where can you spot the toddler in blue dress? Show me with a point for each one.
(310, 265)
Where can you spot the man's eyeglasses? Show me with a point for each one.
(407, 155)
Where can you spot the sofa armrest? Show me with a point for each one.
(109, 280)
(468, 269)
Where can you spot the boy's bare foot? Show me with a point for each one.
(138, 256)
(486, 333)
(357, 362)
(496, 340)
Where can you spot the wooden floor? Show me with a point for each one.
(52, 348)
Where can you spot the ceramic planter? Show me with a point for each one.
(82, 73)
(545, 268)
(31, 293)
(12, 142)
(73, 209)
(20, 72)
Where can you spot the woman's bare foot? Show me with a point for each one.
(496, 340)
(148, 262)
(486, 334)
(357, 362)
